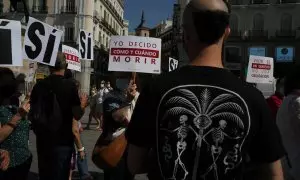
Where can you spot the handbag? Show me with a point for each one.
(109, 156)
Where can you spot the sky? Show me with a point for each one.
(155, 11)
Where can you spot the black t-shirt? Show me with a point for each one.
(69, 103)
(203, 123)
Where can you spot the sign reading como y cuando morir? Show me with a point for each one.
(41, 42)
(135, 54)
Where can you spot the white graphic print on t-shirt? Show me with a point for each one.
(201, 132)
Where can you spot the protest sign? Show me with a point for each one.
(135, 54)
(72, 58)
(31, 72)
(86, 45)
(173, 64)
(260, 70)
(41, 42)
(11, 44)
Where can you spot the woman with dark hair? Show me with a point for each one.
(288, 121)
(14, 131)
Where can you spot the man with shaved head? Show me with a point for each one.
(201, 122)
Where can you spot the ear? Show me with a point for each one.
(227, 33)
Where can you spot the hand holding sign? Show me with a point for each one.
(173, 64)
(11, 45)
(86, 51)
(41, 42)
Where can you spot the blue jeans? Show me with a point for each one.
(54, 162)
(82, 166)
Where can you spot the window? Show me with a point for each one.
(145, 34)
(99, 37)
(286, 22)
(234, 23)
(258, 22)
(107, 42)
(105, 15)
(69, 34)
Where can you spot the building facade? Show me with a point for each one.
(102, 17)
(164, 31)
(108, 21)
(265, 28)
(258, 27)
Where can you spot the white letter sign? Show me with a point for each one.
(41, 42)
(86, 45)
(260, 70)
(72, 58)
(173, 64)
(11, 44)
(135, 54)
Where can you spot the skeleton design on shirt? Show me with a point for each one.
(207, 123)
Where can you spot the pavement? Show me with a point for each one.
(89, 138)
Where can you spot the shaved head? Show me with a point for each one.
(206, 20)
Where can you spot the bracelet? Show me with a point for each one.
(81, 149)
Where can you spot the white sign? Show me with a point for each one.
(31, 72)
(41, 42)
(260, 70)
(135, 54)
(11, 44)
(72, 57)
(86, 45)
(173, 64)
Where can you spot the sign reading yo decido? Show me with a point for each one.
(135, 54)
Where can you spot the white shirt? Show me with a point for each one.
(102, 92)
(288, 121)
(130, 112)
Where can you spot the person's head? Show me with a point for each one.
(60, 65)
(102, 84)
(116, 107)
(108, 84)
(280, 86)
(68, 74)
(206, 27)
(292, 81)
(8, 84)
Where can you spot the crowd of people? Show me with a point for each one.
(197, 122)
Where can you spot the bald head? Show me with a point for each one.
(205, 21)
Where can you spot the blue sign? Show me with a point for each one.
(257, 51)
(284, 54)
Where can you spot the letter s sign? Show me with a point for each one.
(41, 42)
(86, 47)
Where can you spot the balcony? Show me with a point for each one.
(286, 33)
(235, 33)
(72, 9)
(288, 1)
(260, 2)
(257, 34)
(113, 11)
(109, 27)
(40, 9)
(236, 2)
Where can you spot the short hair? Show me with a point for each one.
(292, 81)
(8, 84)
(210, 25)
(68, 74)
(60, 64)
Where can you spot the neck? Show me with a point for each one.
(209, 56)
(59, 73)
